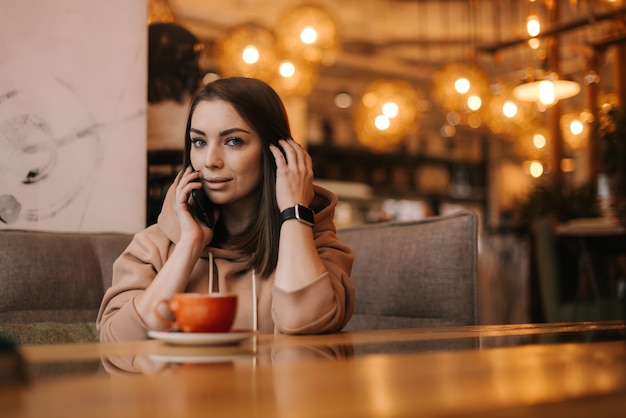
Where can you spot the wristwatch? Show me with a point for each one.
(299, 212)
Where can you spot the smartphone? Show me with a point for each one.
(202, 207)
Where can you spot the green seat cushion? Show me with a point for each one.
(49, 333)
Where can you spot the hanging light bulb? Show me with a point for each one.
(294, 77)
(474, 102)
(386, 113)
(545, 89)
(507, 116)
(247, 50)
(287, 69)
(310, 32)
(547, 95)
(509, 109)
(539, 140)
(536, 169)
(382, 122)
(534, 43)
(308, 35)
(461, 87)
(576, 127)
(531, 145)
(250, 55)
(575, 131)
(390, 109)
(343, 100)
(533, 27)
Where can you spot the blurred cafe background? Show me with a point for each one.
(410, 108)
(415, 108)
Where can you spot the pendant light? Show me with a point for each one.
(546, 88)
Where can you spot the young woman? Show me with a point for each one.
(273, 242)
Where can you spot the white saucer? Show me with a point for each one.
(200, 338)
(159, 358)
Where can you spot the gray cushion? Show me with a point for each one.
(53, 276)
(412, 274)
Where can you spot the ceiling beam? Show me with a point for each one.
(591, 19)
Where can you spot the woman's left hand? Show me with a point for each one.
(294, 175)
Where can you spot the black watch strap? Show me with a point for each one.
(300, 212)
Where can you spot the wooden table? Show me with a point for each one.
(552, 370)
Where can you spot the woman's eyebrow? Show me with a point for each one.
(223, 133)
(233, 130)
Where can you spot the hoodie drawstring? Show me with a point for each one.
(255, 315)
(255, 318)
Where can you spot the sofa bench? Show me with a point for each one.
(411, 274)
(52, 283)
(407, 274)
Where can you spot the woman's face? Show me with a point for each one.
(227, 153)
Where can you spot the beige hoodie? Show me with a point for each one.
(325, 305)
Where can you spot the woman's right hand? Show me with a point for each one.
(191, 228)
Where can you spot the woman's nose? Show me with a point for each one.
(213, 156)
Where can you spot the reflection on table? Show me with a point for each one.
(527, 369)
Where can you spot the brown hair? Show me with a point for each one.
(261, 107)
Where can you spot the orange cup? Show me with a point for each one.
(199, 312)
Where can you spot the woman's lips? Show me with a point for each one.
(216, 183)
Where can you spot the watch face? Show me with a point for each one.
(304, 214)
(301, 213)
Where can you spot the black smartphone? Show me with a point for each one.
(202, 207)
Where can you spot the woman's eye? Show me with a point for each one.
(233, 142)
(198, 142)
